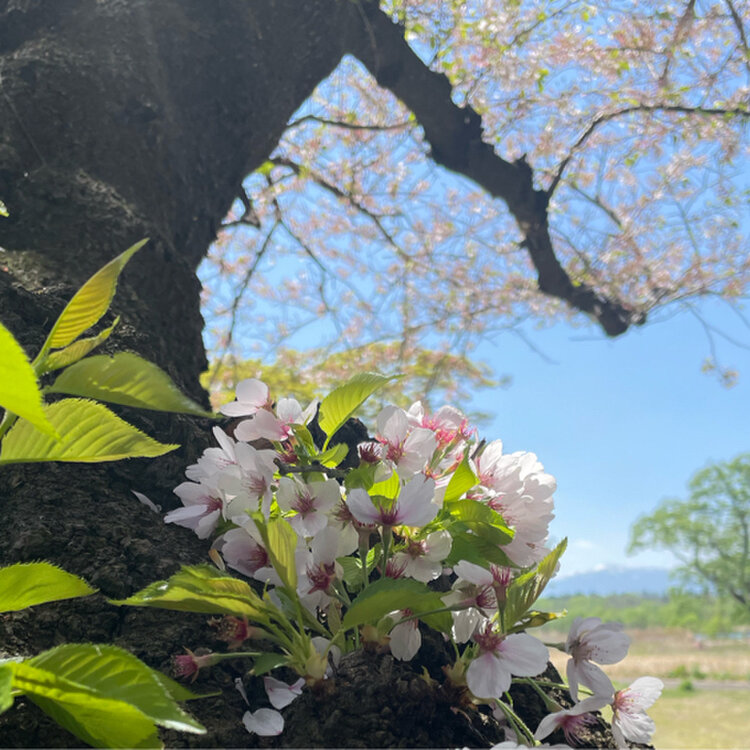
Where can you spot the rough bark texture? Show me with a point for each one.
(130, 118)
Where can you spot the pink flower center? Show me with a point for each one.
(488, 639)
(305, 503)
(320, 576)
(572, 726)
(416, 549)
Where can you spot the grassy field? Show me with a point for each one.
(706, 703)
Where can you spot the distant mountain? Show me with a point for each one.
(612, 580)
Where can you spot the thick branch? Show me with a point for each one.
(455, 137)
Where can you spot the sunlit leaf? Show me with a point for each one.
(89, 432)
(474, 549)
(6, 684)
(266, 662)
(527, 588)
(27, 584)
(343, 401)
(90, 302)
(280, 541)
(19, 391)
(97, 720)
(127, 379)
(333, 456)
(461, 482)
(77, 350)
(388, 488)
(115, 673)
(388, 594)
(200, 588)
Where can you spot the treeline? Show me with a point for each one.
(699, 613)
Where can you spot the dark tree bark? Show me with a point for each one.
(123, 119)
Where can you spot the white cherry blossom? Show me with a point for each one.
(630, 723)
(252, 395)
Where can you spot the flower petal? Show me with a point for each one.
(264, 722)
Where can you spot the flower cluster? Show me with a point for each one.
(347, 556)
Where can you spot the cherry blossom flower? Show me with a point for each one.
(242, 550)
(280, 693)
(408, 449)
(264, 722)
(202, 507)
(629, 720)
(591, 640)
(317, 569)
(412, 507)
(190, 663)
(252, 395)
(500, 656)
(405, 638)
(249, 485)
(275, 427)
(571, 720)
(214, 460)
(423, 559)
(311, 501)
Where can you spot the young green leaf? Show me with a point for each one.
(97, 720)
(280, 541)
(6, 686)
(3, 210)
(89, 303)
(77, 350)
(468, 546)
(89, 433)
(333, 456)
(388, 488)
(114, 673)
(388, 594)
(19, 391)
(127, 379)
(27, 584)
(200, 588)
(461, 482)
(343, 401)
(527, 588)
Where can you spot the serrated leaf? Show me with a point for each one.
(461, 482)
(6, 685)
(303, 435)
(99, 721)
(27, 584)
(114, 673)
(19, 390)
(388, 594)
(334, 456)
(90, 302)
(77, 350)
(527, 588)
(89, 433)
(266, 662)
(343, 401)
(127, 379)
(200, 588)
(482, 520)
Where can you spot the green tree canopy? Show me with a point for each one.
(709, 532)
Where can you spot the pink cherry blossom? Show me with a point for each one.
(405, 638)
(408, 449)
(500, 656)
(311, 501)
(630, 723)
(252, 395)
(423, 559)
(591, 640)
(572, 720)
(279, 693)
(202, 507)
(412, 507)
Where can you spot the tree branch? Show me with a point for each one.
(455, 137)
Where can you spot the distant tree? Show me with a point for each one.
(709, 532)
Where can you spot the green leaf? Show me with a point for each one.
(280, 541)
(99, 721)
(535, 619)
(266, 662)
(461, 482)
(469, 547)
(333, 456)
(89, 433)
(6, 684)
(26, 584)
(527, 588)
(388, 488)
(90, 302)
(114, 673)
(19, 391)
(77, 350)
(126, 379)
(361, 477)
(343, 401)
(303, 435)
(482, 520)
(388, 594)
(200, 588)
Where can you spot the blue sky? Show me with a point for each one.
(620, 423)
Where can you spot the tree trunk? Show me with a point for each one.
(122, 120)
